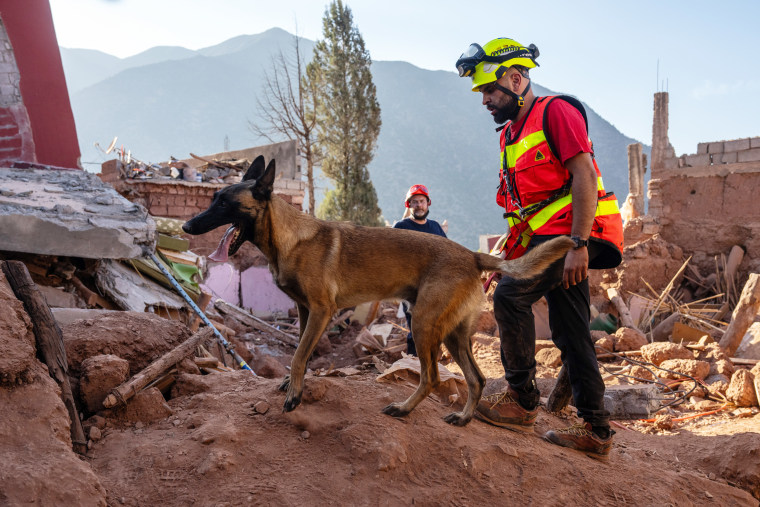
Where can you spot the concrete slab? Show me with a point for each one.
(631, 401)
(72, 213)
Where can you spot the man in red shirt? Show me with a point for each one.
(549, 185)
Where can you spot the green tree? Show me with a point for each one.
(348, 118)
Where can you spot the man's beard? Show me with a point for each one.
(508, 112)
(423, 217)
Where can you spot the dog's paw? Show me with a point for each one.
(457, 419)
(395, 410)
(291, 403)
(285, 383)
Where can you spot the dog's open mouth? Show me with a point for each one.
(230, 243)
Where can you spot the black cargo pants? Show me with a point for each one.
(569, 322)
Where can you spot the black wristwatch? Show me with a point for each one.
(579, 243)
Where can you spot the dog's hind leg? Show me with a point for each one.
(460, 347)
(427, 340)
(303, 318)
(315, 326)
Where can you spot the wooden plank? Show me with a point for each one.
(49, 340)
(122, 393)
(203, 302)
(255, 322)
(562, 393)
(172, 243)
(623, 312)
(188, 259)
(743, 316)
(686, 333)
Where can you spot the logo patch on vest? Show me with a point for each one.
(539, 155)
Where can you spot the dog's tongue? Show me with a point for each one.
(221, 254)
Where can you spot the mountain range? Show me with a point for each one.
(170, 101)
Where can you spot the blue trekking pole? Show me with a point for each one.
(227, 345)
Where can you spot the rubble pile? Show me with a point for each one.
(210, 171)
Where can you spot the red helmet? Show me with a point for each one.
(417, 190)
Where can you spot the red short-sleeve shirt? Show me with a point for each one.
(565, 129)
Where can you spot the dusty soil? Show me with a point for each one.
(225, 441)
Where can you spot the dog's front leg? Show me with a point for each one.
(303, 318)
(315, 326)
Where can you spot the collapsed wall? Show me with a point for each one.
(705, 202)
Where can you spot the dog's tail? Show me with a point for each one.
(532, 263)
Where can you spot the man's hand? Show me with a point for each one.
(576, 267)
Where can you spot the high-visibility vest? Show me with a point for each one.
(535, 189)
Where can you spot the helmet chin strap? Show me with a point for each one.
(519, 98)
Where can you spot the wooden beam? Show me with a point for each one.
(743, 316)
(49, 341)
(562, 393)
(128, 389)
(255, 322)
(623, 312)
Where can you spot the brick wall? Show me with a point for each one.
(183, 200)
(16, 140)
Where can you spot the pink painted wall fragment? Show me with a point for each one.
(223, 281)
(260, 294)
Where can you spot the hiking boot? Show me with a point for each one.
(502, 409)
(582, 438)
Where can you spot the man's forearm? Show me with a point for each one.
(584, 194)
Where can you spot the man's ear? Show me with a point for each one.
(255, 169)
(262, 189)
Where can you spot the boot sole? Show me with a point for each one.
(591, 454)
(519, 428)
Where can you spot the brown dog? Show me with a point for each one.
(325, 266)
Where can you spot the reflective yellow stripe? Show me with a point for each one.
(543, 216)
(517, 150)
(539, 219)
(607, 208)
(599, 184)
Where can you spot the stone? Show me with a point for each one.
(658, 352)
(598, 334)
(631, 401)
(639, 372)
(549, 357)
(95, 434)
(145, 407)
(261, 407)
(717, 383)
(603, 345)
(486, 323)
(722, 367)
(690, 367)
(736, 145)
(267, 366)
(626, 338)
(742, 390)
(756, 374)
(749, 348)
(544, 344)
(101, 374)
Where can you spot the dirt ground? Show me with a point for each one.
(222, 439)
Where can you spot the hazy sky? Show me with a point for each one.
(605, 52)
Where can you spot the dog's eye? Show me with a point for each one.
(223, 204)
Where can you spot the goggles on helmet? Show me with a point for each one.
(475, 54)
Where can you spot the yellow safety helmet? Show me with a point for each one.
(488, 63)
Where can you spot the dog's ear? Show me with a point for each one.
(262, 189)
(255, 169)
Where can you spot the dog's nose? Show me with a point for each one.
(187, 228)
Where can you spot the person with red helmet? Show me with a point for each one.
(550, 185)
(418, 204)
